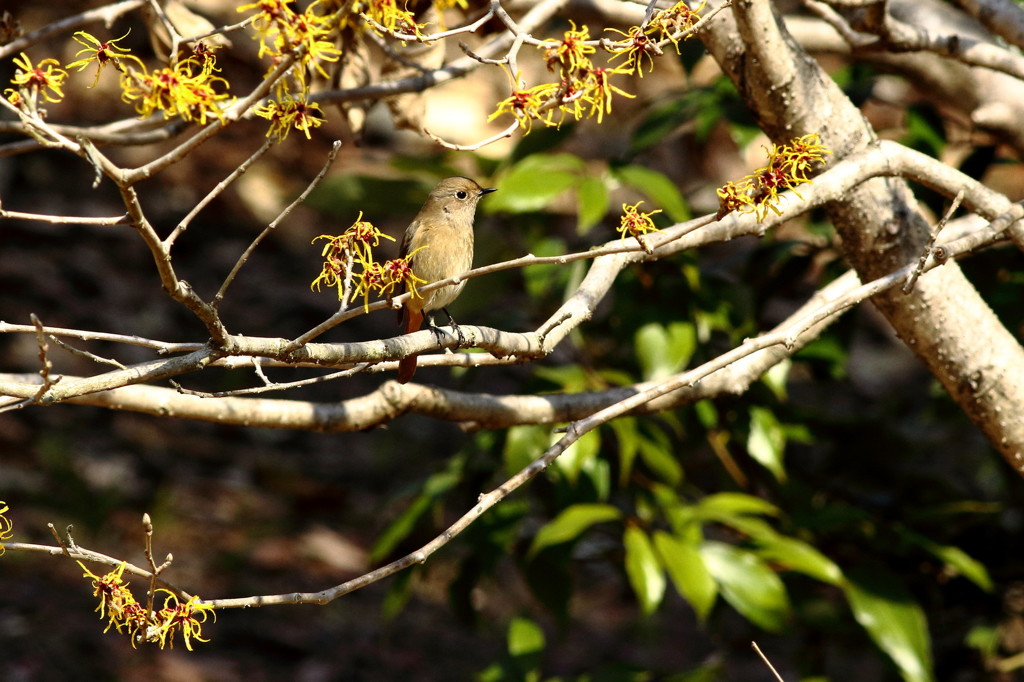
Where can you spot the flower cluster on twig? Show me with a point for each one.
(585, 90)
(6, 527)
(142, 624)
(45, 79)
(187, 89)
(787, 167)
(635, 223)
(350, 267)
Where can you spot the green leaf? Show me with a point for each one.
(525, 649)
(657, 187)
(568, 378)
(532, 183)
(725, 506)
(660, 460)
(628, 436)
(433, 488)
(767, 441)
(541, 139)
(680, 514)
(748, 584)
(707, 413)
(525, 638)
(662, 120)
(663, 351)
(398, 594)
(797, 555)
(592, 203)
(753, 527)
(643, 569)
(576, 456)
(571, 523)
(985, 639)
(955, 559)
(776, 376)
(598, 472)
(894, 621)
(542, 280)
(688, 572)
(523, 444)
(924, 130)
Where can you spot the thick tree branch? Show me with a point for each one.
(945, 322)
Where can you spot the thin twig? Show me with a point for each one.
(331, 156)
(13, 405)
(220, 30)
(230, 114)
(45, 366)
(147, 528)
(60, 541)
(272, 386)
(476, 145)
(912, 278)
(483, 60)
(216, 191)
(127, 339)
(652, 6)
(766, 661)
(830, 16)
(105, 14)
(75, 552)
(100, 360)
(433, 37)
(65, 220)
(178, 289)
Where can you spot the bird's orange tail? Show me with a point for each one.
(407, 365)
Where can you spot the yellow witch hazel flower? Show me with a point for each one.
(127, 616)
(272, 23)
(388, 277)
(45, 79)
(116, 599)
(101, 53)
(175, 617)
(288, 113)
(527, 106)
(395, 19)
(787, 167)
(348, 257)
(571, 54)
(188, 89)
(635, 223)
(309, 34)
(6, 527)
(599, 91)
(636, 44)
(678, 18)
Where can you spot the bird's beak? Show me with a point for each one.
(487, 190)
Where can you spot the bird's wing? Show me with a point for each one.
(410, 234)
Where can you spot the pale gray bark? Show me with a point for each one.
(944, 320)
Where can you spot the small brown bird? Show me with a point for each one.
(440, 238)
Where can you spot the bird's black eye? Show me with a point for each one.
(461, 195)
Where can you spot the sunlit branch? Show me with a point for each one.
(331, 156)
(216, 191)
(105, 14)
